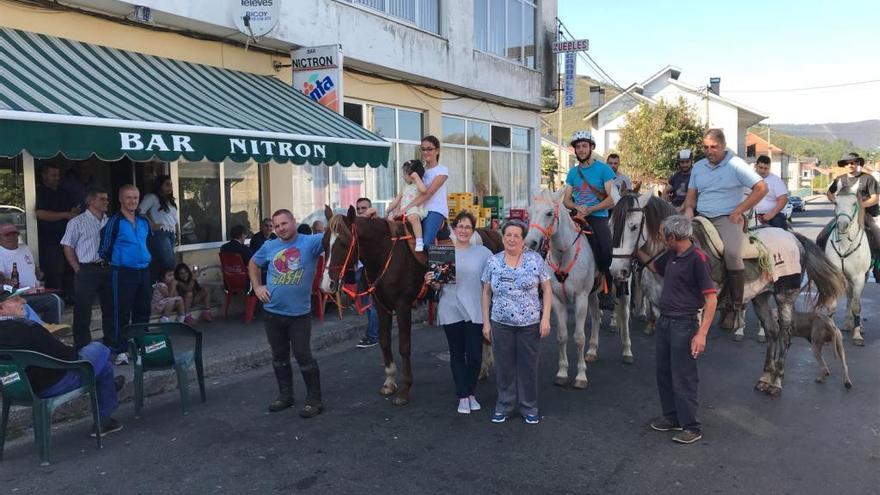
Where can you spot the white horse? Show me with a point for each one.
(629, 236)
(573, 273)
(848, 248)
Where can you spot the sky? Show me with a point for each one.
(752, 45)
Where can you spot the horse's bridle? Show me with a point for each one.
(860, 231)
(344, 268)
(560, 273)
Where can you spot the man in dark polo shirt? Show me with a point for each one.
(54, 208)
(680, 334)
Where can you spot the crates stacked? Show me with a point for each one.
(459, 201)
(495, 205)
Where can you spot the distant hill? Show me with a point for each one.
(864, 134)
(572, 118)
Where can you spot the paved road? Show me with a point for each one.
(813, 439)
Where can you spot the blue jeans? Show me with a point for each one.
(132, 294)
(99, 355)
(465, 340)
(162, 249)
(677, 378)
(778, 220)
(431, 226)
(372, 313)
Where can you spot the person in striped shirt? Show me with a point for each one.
(91, 274)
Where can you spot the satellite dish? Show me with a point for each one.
(255, 18)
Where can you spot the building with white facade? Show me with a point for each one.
(712, 109)
(476, 74)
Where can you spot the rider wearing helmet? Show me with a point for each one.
(716, 190)
(588, 192)
(677, 186)
(867, 189)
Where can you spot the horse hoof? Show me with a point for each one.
(859, 342)
(628, 359)
(738, 337)
(762, 339)
(761, 386)
(580, 384)
(774, 391)
(820, 379)
(400, 401)
(590, 358)
(848, 385)
(560, 381)
(483, 376)
(388, 390)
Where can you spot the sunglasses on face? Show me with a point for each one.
(427, 149)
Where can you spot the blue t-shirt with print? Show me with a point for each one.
(597, 174)
(292, 266)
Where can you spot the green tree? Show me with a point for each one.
(549, 166)
(652, 136)
(820, 183)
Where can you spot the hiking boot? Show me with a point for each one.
(367, 342)
(663, 424)
(284, 377)
(311, 410)
(108, 426)
(687, 436)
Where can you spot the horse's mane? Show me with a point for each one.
(337, 227)
(656, 211)
(618, 217)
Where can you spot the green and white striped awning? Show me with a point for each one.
(77, 99)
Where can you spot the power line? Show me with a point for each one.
(841, 85)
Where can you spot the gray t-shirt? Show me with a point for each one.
(461, 301)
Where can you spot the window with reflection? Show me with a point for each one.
(199, 186)
(242, 189)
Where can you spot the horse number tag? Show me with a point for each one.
(158, 346)
(10, 378)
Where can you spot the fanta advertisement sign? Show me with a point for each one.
(317, 73)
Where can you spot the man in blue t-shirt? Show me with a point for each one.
(286, 297)
(588, 192)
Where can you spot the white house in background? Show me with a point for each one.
(719, 112)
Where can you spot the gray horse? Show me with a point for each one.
(648, 212)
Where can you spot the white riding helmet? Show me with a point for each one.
(579, 136)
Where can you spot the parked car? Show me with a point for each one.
(797, 203)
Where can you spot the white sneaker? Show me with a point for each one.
(464, 406)
(420, 245)
(121, 358)
(164, 319)
(472, 402)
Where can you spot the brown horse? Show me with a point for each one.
(394, 278)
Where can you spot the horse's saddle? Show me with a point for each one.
(403, 229)
(750, 248)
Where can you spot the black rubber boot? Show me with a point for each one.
(314, 405)
(284, 376)
(736, 282)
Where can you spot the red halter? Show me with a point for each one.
(560, 274)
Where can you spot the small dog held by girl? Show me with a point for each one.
(413, 171)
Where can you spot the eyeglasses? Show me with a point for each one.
(464, 227)
(427, 149)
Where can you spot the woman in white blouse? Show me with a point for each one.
(161, 210)
(460, 313)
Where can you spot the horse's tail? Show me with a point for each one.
(829, 280)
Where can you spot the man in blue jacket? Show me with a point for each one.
(124, 242)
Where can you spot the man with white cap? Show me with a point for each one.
(868, 190)
(677, 185)
(15, 257)
(588, 191)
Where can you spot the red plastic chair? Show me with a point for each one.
(235, 282)
(321, 298)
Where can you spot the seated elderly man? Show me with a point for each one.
(19, 256)
(19, 333)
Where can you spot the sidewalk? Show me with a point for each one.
(229, 347)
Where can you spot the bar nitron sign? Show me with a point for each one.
(133, 141)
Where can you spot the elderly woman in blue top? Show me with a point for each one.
(460, 314)
(519, 319)
(717, 190)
